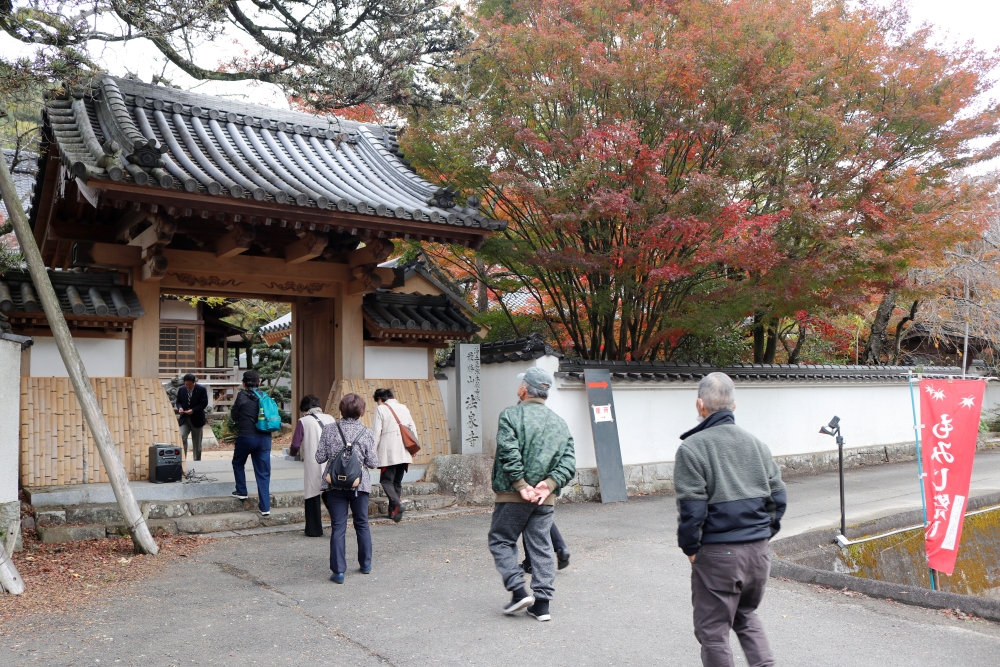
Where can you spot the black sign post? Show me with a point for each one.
(603, 424)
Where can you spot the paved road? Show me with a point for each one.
(814, 501)
(434, 599)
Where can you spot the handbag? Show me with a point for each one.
(411, 444)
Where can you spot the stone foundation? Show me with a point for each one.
(470, 477)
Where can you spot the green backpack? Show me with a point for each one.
(268, 418)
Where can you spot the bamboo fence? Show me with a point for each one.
(422, 397)
(56, 447)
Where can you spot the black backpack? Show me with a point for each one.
(344, 471)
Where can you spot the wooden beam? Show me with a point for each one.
(308, 247)
(375, 251)
(235, 242)
(244, 267)
(106, 255)
(123, 230)
(181, 199)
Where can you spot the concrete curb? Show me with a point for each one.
(919, 597)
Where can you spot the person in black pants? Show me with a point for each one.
(192, 399)
(252, 443)
(558, 545)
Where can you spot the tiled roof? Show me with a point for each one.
(389, 315)
(418, 267)
(666, 371)
(274, 331)
(81, 295)
(517, 349)
(24, 173)
(161, 137)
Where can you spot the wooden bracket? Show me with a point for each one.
(236, 241)
(309, 246)
(128, 221)
(366, 282)
(154, 268)
(375, 251)
(160, 233)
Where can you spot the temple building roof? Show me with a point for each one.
(87, 299)
(164, 138)
(412, 317)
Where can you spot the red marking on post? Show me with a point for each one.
(598, 385)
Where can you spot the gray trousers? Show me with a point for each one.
(195, 432)
(510, 521)
(727, 585)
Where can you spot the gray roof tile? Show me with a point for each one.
(124, 130)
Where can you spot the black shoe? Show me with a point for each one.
(540, 610)
(526, 566)
(520, 599)
(563, 557)
(238, 495)
(398, 516)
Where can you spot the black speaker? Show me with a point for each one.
(165, 463)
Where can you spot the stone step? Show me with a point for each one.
(108, 513)
(380, 506)
(409, 489)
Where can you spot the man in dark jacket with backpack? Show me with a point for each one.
(251, 442)
(730, 498)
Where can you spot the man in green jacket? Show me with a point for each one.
(534, 460)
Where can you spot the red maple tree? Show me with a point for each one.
(677, 168)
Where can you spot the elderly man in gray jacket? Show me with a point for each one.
(730, 498)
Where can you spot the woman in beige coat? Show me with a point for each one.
(393, 459)
(306, 438)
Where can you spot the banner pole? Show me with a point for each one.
(920, 470)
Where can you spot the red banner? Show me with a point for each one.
(949, 416)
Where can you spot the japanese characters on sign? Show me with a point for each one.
(949, 412)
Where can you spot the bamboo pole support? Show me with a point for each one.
(142, 539)
(10, 578)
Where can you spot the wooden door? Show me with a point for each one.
(313, 337)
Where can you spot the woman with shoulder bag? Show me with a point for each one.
(348, 450)
(395, 446)
(306, 440)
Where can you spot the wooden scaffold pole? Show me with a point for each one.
(137, 528)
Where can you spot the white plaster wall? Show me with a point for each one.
(171, 309)
(395, 363)
(102, 357)
(10, 402)
(652, 416)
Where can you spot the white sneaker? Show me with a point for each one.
(265, 514)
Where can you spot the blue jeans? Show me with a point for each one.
(258, 448)
(337, 502)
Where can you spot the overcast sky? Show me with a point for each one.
(956, 20)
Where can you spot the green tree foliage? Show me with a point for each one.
(328, 54)
(250, 315)
(676, 169)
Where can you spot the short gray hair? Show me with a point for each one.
(717, 392)
(535, 392)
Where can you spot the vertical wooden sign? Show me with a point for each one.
(603, 424)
